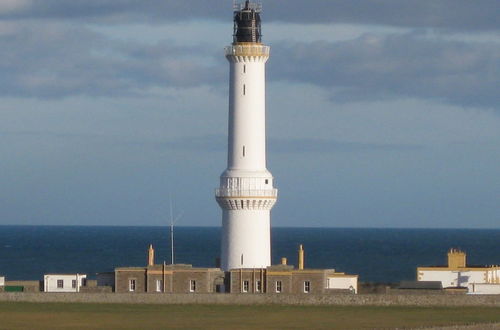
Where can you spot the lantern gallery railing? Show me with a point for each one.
(268, 193)
(250, 5)
(247, 50)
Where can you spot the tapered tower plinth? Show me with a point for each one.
(246, 194)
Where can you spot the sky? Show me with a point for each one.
(382, 113)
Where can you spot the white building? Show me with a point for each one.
(2, 280)
(63, 282)
(484, 288)
(341, 281)
(246, 193)
(458, 274)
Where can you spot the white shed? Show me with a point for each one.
(342, 281)
(484, 288)
(63, 282)
(2, 280)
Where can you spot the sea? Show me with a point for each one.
(376, 255)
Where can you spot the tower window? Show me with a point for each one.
(159, 285)
(244, 89)
(278, 287)
(244, 68)
(131, 285)
(267, 181)
(243, 151)
(307, 287)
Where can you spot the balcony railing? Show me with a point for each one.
(252, 5)
(247, 50)
(224, 192)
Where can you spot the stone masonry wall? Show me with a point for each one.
(254, 299)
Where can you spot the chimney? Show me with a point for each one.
(457, 259)
(151, 255)
(284, 261)
(301, 257)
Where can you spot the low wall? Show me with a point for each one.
(96, 289)
(28, 286)
(254, 299)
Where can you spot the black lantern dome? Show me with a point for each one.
(247, 23)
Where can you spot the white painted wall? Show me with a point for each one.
(343, 282)
(493, 275)
(246, 242)
(453, 278)
(247, 113)
(2, 280)
(50, 282)
(484, 288)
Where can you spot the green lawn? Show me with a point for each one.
(123, 316)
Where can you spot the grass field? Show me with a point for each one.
(122, 316)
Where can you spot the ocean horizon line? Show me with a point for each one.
(280, 227)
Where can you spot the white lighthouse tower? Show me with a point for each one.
(246, 194)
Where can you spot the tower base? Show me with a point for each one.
(246, 239)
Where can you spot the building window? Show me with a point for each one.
(73, 284)
(258, 286)
(244, 68)
(307, 286)
(267, 181)
(246, 286)
(159, 285)
(84, 282)
(60, 284)
(131, 285)
(192, 286)
(278, 287)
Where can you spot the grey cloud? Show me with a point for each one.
(56, 60)
(375, 67)
(445, 14)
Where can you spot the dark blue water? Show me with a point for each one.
(378, 255)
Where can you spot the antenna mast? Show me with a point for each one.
(171, 234)
(172, 222)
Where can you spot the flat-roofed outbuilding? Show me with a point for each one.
(64, 282)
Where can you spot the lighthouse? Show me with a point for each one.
(246, 193)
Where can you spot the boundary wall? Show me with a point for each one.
(255, 299)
